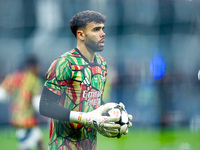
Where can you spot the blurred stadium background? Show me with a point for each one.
(152, 50)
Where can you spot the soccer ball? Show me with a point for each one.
(118, 111)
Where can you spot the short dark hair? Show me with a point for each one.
(81, 19)
(31, 61)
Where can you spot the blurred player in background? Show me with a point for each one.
(24, 89)
(72, 94)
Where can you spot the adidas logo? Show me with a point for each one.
(85, 81)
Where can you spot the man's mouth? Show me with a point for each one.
(101, 42)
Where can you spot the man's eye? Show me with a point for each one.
(96, 29)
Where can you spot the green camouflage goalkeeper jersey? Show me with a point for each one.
(81, 85)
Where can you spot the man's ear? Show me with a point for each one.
(80, 34)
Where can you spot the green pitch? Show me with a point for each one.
(136, 139)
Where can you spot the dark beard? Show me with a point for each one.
(90, 44)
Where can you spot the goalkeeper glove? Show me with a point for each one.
(124, 128)
(103, 124)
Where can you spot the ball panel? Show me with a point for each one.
(117, 111)
(124, 117)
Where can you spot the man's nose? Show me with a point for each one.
(103, 34)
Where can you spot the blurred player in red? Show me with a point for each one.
(72, 94)
(24, 89)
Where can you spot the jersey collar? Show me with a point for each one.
(95, 59)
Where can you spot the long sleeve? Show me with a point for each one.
(49, 106)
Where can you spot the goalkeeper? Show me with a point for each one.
(72, 93)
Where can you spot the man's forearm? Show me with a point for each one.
(49, 106)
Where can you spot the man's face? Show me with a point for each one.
(94, 36)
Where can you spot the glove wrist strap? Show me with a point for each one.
(77, 117)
